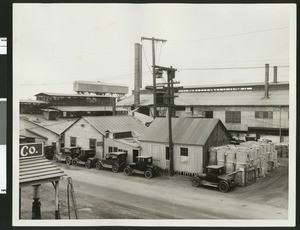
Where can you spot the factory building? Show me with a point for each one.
(244, 109)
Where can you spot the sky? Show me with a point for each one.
(57, 44)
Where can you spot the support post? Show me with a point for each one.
(57, 216)
(266, 81)
(280, 125)
(170, 79)
(20, 200)
(153, 71)
(36, 204)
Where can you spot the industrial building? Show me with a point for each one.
(37, 128)
(244, 109)
(106, 134)
(192, 138)
(92, 99)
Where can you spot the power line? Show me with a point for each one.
(146, 58)
(233, 35)
(222, 68)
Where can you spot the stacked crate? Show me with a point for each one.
(246, 161)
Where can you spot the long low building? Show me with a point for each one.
(243, 108)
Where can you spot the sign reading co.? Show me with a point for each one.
(31, 149)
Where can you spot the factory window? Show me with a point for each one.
(209, 114)
(92, 143)
(184, 155)
(122, 135)
(264, 114)
(72, 141)
(233, 116)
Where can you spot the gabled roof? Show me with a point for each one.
(57, 126)
(86, 108)
(187, 131)
(116, 124)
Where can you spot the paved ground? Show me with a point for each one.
(106, 195)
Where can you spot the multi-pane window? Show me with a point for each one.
(209, 114)
(72, 141)
(264, 114)
(233, 116)
(122, 135)
(92, 143)
(184, 155)
(110, 149)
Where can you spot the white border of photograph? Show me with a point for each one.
(163, 222)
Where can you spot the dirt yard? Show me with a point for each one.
(107, 195)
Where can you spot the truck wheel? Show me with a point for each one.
(196, 182)
(68, 160)
(223, 186)
(99, 165)
(88, 164)
(148, 174)
(115, 168)
(127, 171)
(74, 162)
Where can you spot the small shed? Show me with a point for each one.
(192, 138)
(35, 170)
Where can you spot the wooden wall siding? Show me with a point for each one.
(52, 137)
(83, 132)
(218, 137)
(114, 143)
(194, 164)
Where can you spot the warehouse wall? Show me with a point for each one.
(83, 132)
(158, 152)
(122, 146)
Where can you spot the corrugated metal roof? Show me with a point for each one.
(37, 170)
(33, 101)
(116, 124)
(74, 95)
(85, 108)
(227, 98)
(57, 126)
(189, 131)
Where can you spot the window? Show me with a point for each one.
(73, 141)
(167, 153)
(115, 149)
(209, 114)
(122, 135)
(184, 155)
(92, 143)
(264, 114)
(110, 149)
(233, 116)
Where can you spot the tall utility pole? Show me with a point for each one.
(170, 96)
(153, 70)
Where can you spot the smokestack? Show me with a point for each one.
(137, 73)
(266, 80)
(275, 74)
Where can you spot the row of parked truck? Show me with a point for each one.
(116, 161)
